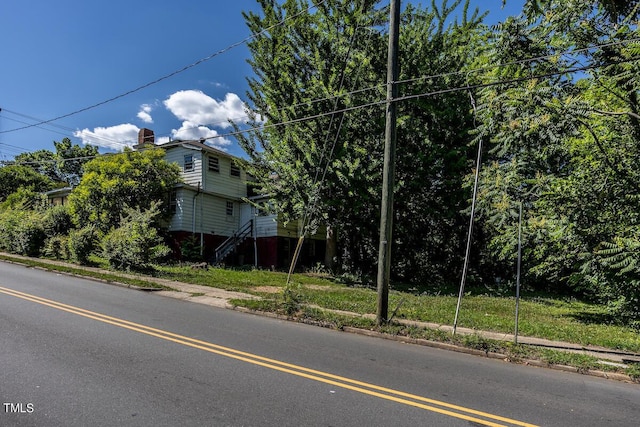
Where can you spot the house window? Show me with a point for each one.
(214, 164)
(188, 162)
(235, 169)
(229, 208)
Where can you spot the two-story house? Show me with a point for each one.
(211, 205)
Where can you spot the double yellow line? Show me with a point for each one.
(397, 396)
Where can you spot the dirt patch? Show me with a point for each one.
(268, 289)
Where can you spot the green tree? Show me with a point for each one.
(71, 159)
(40, 161)
(14, 177)
(306, 68)
(317, 157)
(112, 183)
(565, 144)
(63, 165)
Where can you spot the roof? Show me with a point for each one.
(194, 145)
(59, 192)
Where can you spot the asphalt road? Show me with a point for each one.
(77, 353)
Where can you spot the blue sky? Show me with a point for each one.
(66, 55)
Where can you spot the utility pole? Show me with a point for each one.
(386, 209)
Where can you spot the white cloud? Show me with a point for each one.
(145, 113)
(191, 131)
(114, 137)
(199, 108)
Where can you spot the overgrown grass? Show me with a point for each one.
(242, 280)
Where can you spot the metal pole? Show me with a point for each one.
(386, 208)
(518, 272)
(254, 226)
(468, 250)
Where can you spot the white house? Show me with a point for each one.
(212, 206)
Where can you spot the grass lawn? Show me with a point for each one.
(562, 319)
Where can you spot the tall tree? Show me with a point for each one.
(318, 89)
(71, 159)
(63, 165)
(306, 69)
(564, 136)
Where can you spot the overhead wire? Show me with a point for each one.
(419, 95)
(428, 94)
(422, 78)
(167, 76)
(334, 97)
(361, 90)
(317, 180)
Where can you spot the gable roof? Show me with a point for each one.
(193, 145)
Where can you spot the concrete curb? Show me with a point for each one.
(491, 355)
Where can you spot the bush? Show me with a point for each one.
(8, 222)
(82, 243)
(57, 221)
(21, 232)
(25, 198)
(190, 249)
(57, 247)
(135, 244)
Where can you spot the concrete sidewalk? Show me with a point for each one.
(220, 298)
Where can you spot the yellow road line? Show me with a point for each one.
(324, 377)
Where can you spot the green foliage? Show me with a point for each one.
(57, 221)
(190, 249)
(65, 165)
(14, 177)
(25, 198)
(135, 244)
(82, 243)
(292, 297)
(565, 146)
(328, 169)
(21, 232)
(57, 247)
(112, 183)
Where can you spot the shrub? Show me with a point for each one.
(190, 249)
(25, 198)
(82, 243)
(57, 247)
(135, 244)
(21, 232)
(57, 221)
(8, 223)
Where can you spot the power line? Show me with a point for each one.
(362, 90)
(427, 94)
(313, 101)
(381, 102)
(167, 76)
(523, 61)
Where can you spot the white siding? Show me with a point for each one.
(218, 188)
(266, 226)
(222, 182)
(210, 214)
(176, 155)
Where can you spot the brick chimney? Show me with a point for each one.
(145, 136)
